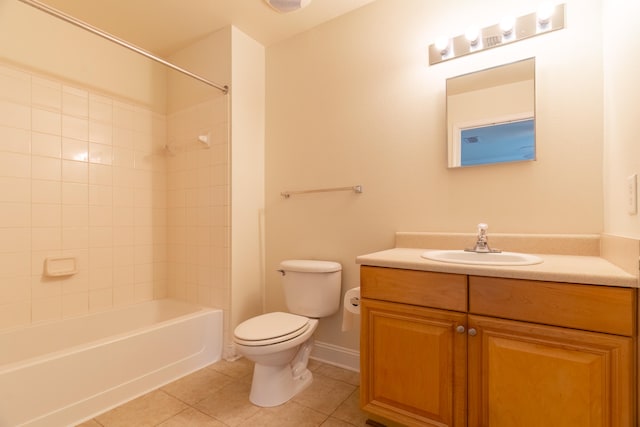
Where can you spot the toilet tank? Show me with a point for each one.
(311, 287)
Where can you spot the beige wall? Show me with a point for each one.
(622, 149)
(247, 178)
(353, 101)
(74, 55)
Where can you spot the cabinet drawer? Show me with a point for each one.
(593, 308)
(427, 289)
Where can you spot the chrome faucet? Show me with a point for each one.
(482, 241)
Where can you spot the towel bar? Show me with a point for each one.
(355, 189)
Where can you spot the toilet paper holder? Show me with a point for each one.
(354, 301)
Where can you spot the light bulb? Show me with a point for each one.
(442, 44)
(545, 12)
(472, 35)
(506, 25)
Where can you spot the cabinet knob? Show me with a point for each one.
(473, 332)
(460, 329)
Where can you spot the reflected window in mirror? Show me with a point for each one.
(491, 115)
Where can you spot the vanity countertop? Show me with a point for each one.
(558, 268)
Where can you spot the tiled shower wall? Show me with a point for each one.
(198, 204)
(85, 175)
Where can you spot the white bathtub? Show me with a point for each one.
(61, 373)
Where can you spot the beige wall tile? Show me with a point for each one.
(15, 115)
(77, 284)
(15, 85)
(75, 102)
(75, 216)
(75, 171)
(100, 174)
(46, 121)
(100, 132)
(46, 238)
(74, 149)
(143, 292)
(15, 214)
(15, 289)
(100, 216)
(100, 299)
(75, 237)
(15, 314)
(75, 127)
(43, 191)
(15, 140)
(100, 108)
(46, 168)
(123, 294)
(15, 239)
(47, 145)
(46, 93)
(45, 309)
(85, 174)
(46, 215)
(100, 153)
(14, 164)
(75, 304)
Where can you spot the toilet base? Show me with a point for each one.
(275, 385)
(272, 386)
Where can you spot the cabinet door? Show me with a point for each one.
(413, 364)
(532, 375)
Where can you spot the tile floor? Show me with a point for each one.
(218, 396)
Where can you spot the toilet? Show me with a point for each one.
(280, 343)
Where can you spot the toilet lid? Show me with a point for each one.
(270, 328)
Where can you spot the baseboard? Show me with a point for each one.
(335, 355)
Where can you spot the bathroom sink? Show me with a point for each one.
(481, 258)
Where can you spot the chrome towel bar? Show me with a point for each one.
(355, 189)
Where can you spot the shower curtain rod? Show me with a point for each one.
(88, 27)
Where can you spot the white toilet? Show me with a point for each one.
(280, 343)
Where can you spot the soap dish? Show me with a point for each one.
(60, 266)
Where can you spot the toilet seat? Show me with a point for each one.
(270, 328)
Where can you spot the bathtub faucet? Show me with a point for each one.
(482, 241)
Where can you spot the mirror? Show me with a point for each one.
(491, 115)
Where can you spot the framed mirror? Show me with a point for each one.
(491, 115)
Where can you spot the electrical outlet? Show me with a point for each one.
(632, 194)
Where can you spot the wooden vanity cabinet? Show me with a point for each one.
(530, 375)
(413, 358)
(573, 367)
(416, 364)
(521, 353)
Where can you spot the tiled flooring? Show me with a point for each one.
(218, 396)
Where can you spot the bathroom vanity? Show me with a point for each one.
(465, 345)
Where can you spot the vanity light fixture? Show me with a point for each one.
(549, 17)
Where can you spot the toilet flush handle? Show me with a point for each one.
(281, 272)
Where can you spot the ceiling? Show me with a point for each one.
(164, 26)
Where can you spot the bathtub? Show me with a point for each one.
(64, 372)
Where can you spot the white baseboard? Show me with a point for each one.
(335, 355)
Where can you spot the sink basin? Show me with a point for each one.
(478, 258)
